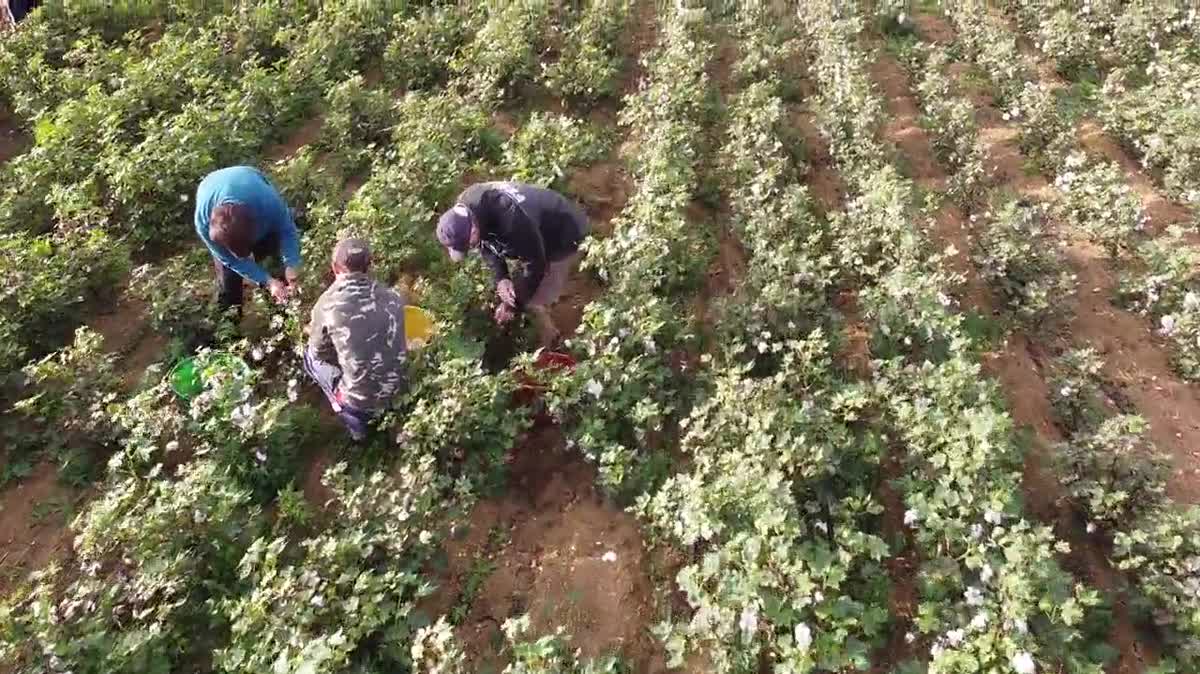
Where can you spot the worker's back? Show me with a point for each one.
(362, 321)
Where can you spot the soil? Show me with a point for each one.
(13, 140)
(558, 551)
(824, 183)
(34, 524)
(552, 546)
(127, 334)
(306, 134)
(604, 189)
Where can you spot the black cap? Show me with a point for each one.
(352, 255)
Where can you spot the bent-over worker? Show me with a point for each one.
(243, 220)
(535, 226)
(356, 346)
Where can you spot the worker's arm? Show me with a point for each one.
(246, 267)
(320, 344)
(526, 240)
(497, 263)
(282, 223)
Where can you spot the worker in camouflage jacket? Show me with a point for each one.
(539, 228)
(356, 348)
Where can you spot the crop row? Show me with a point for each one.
(1114, 477)
(992, 595)
(1150, 65)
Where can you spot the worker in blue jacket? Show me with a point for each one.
(243, 219)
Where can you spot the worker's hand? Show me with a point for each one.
(291, 274)
(504, 313)
(506, 292)
(279, 290)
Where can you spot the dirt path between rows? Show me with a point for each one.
(34, 524)
(13, 140)
(1015, 365)
(554, 548)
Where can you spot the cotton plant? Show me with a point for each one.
(1098, 201)
(1113, 473)
(1075, 390)
(781, 535)
(315, 604)
(503, 50)
(1016, 253)
(1158, 117)
(1046, 131)
(978, 615)
(1161, 551)
(1164, 287)
(550, 653)
(589, 65)
(148, 552)
(548, 145)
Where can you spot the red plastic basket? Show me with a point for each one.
(529, 386)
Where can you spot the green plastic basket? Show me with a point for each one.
(187, 377)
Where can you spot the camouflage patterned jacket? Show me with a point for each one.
(358, 325)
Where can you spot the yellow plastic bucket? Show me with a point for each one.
(418, 326)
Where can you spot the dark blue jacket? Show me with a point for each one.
(527, 223)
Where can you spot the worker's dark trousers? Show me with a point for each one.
(328, 376)
(230, 283)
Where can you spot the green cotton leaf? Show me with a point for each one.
(1072, 612)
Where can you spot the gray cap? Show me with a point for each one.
(352, 254)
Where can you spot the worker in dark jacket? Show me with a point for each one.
(537, 227)
(12, 11)
(356, 344)
(242, 219)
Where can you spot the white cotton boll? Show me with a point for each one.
(1022, 663)
(976, 530)
(1167, 324)
(979, 622)
(955, 637)
(594, 388)
(992, 517)
(609, 556)
(973, 596)
(986, 573)
(1065, 391)
(909, 637)
(1091, 527)
(911, 516)
(1020, 625)
(256, 354)
(803, 637)
(1191, 301)
(172, 445)
(748, 622)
